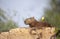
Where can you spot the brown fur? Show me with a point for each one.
(34, 23)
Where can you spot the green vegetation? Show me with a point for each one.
(5, 24)
(52, 16)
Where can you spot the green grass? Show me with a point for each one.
(58, 38)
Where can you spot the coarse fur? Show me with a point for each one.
(32, 22)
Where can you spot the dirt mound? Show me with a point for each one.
(26, 33)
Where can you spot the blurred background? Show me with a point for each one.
(14, 12)
(18, 10)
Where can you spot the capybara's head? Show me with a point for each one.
(29, 20)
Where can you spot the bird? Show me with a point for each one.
(43, 18)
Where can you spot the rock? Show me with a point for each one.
(24, 33)
(4, 35)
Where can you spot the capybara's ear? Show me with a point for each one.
(32, 18)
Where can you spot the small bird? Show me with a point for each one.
(43, 18)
